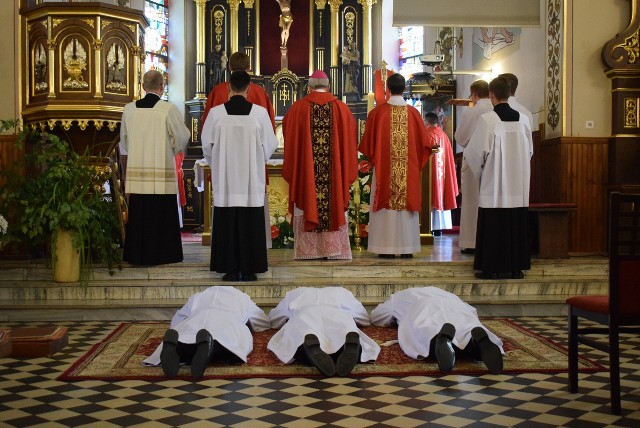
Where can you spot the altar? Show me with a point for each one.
(285, 43)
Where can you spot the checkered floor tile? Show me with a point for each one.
(30, 395)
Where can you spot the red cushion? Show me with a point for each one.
(598, 304)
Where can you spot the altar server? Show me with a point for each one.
(152, 133)
(237, 141)
(320, 164)
(470, 185)
(214, 324)
(320, 325)
(395, 141)
(499, 155)
(513, 103)
(221, 93)
(430, 317)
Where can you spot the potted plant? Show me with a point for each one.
(60, 199)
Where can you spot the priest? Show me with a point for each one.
(320, 164)
(237, 141)
(433, 321)
(319, 326)
(395, 141)
(444, 182)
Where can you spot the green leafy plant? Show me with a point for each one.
(55, 188)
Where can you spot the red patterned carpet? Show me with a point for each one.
(119, 356)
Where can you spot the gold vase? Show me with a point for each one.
(66, 267)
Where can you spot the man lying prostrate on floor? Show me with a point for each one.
(431, 320)
(320, 328)
(214, 325)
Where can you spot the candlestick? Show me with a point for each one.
(369, 102)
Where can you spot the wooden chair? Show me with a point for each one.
(619, 312)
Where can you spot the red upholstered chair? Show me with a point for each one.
(620, 310)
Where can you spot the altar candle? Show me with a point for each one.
(369, 102)
(356, 192)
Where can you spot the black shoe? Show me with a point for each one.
(350, 354)
(169, 358)
(406, 256)
(317, 356)
(517, 275)
(486, 275)
(468, 251)
(436, 232)
(444, 352)
(231, 276)
(249, 276)
(387, 256)
(204, 349)
(489, 351)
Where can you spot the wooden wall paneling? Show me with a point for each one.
(9, 153)
(574, 170)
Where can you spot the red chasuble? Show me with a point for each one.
(320, 159)
(444, 183)
(256, 95)
(396, 143)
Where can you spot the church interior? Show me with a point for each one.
(69, 68)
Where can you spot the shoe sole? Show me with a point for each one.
(489, 351)
(169, 358)
(318, 357)
(200, 358)
(445, 354)
(349, 356)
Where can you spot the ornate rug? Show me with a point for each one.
(120, 356)
(191, 237)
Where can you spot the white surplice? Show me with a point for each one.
(469, 183)
(392, 231)
(226, 313)
(232, 140)
(329, 313)
(499, 155)
(420, 314)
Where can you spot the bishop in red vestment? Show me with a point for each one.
(395, 141)
(320, 164)
(444, 182)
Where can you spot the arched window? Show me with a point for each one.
(155, 39)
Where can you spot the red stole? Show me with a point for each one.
(298, 166)
(385, 132)
(444, 183)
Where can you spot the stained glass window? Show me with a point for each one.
(155, 39)
(411, 48)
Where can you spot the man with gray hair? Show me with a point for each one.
(152, 133)
(320, 164)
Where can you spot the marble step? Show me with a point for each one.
(368, 268)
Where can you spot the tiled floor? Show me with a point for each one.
(30, 396)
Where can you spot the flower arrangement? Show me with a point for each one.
(3, 225)
(281, 231)
(361, 196)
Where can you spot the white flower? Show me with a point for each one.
(366, 189)
(3, 225)
(280, 219)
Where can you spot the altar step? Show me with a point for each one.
(28, 292)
